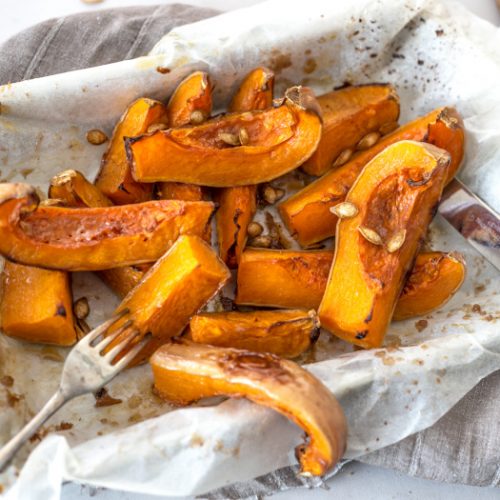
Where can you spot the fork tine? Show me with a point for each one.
(96, 332)
(101, 345)
(112, 353)
(125, 360)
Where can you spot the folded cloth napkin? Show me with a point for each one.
(462, 447)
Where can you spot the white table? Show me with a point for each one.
(356, 480)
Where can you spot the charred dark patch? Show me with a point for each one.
(361, 335)
(369, 317)
(121, 187)
(61, 311)
(434, 209)
(418, 182)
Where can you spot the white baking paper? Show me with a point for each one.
(436, 53)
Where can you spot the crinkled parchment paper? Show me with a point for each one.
(436, 53)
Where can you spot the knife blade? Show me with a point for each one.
(473, 219)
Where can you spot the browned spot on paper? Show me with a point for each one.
(196, 440)
(419, 362)
(476, 308)
(64, 426)
(103, 398)
(279, 61)
(310, 65)
(26, 171)
(219, 445)
(389, 361)
(163, 70)
(421, 324)
(7, 381)
(134, 402)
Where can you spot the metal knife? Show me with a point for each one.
(473, 219)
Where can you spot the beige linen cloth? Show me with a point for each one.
(463, 447)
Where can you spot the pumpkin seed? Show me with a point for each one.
(345, 210)
(368, 141)
(155, 127)
(243, 136)
(262, 241)
(81, 308)
(343, 157)
(197, 117)
(271, 195)
(396, 241)
(370, 235)
(254, 229)
(231, 139)
(53, 202)
(96, 137)
(62, 178)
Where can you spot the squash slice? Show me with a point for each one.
(185, 372)
(92, 239)
(277, 140)
(395, 195)
(286, 333)
(307, 213)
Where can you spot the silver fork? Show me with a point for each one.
(85, 370)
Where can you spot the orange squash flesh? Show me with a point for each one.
(114, 178)
(289, 278)
(172, 291)
(122, 280)
(285, 333)
(307, 213)
(395, 195)
(36, 305)
(92, 239)
(76, 191)
(349, 114)
(434, 279)
(237, 206)
(193, 94)
(184, 372)
(279, 140)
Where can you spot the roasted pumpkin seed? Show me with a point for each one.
(368, 141)
(197, 117)
(254, 229)
(81, 308)
(243, 136)
(370, 235)
(96, 137)
(262, 241)
(343, 157)
(231, 139)
(156, 126)
(396, 241)
(345, 210)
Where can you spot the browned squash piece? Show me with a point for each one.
(172, 291)
(237, 206)
(76, 191)
(290, 278)
(36, 305)
(114, 178)
(349, 114)
(286, 333)
(435, 278)
(122, 280)
(191, 103)
(184, 372)
(394, 200)
(211, 154)
(307, 213)
(92, 239)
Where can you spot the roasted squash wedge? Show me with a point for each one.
(114, 178)
(434, 279)
(191, 103)
(394, 199)
(307, 213)
(238, 205)
(122, 280)
(92, 239)
(184, 372)
(76, 191)
(172, 291)
(349, 114)
(277, 140)
(36, 305)
(286, 333)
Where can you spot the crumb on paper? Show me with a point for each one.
(103, 398)
(196, 440)
(63, 426)
(421, 324)
(163, 70)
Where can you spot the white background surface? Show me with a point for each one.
(356, 481)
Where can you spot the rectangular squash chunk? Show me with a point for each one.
(173, 290)
(36, 305)
(349, 114)
(286, 333)
(393, 202)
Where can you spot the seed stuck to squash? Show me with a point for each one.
(156, 126)
(370, 235)
(345, 210)
(395, 242)
(243, 136)
(368, 141)
(343, 157)
(197, 117)
(229, 139)
(261, 241)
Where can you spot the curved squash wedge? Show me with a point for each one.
(277, 141)
(92, 239)
(36, 305)
(434, 279)
(122, 280)
(114, 178)
(349, 114)
(76, 191)
(172, 291)
(237, 206)
(307, 213)
(185, 372)
(285, 333)
(179, 191)
(395, 196)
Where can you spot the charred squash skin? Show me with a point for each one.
(395, 196)
(193, 95)
(289, 278)
(307, 213)
(279, 140)
(185, 372)
(36, 305)
(172, 291)
(435, 278)
(285, 333)
(114, 178)
(237, 206)
(349, 114)
(76, 191)
(92, 239)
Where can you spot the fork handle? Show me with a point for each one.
(8, 451)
